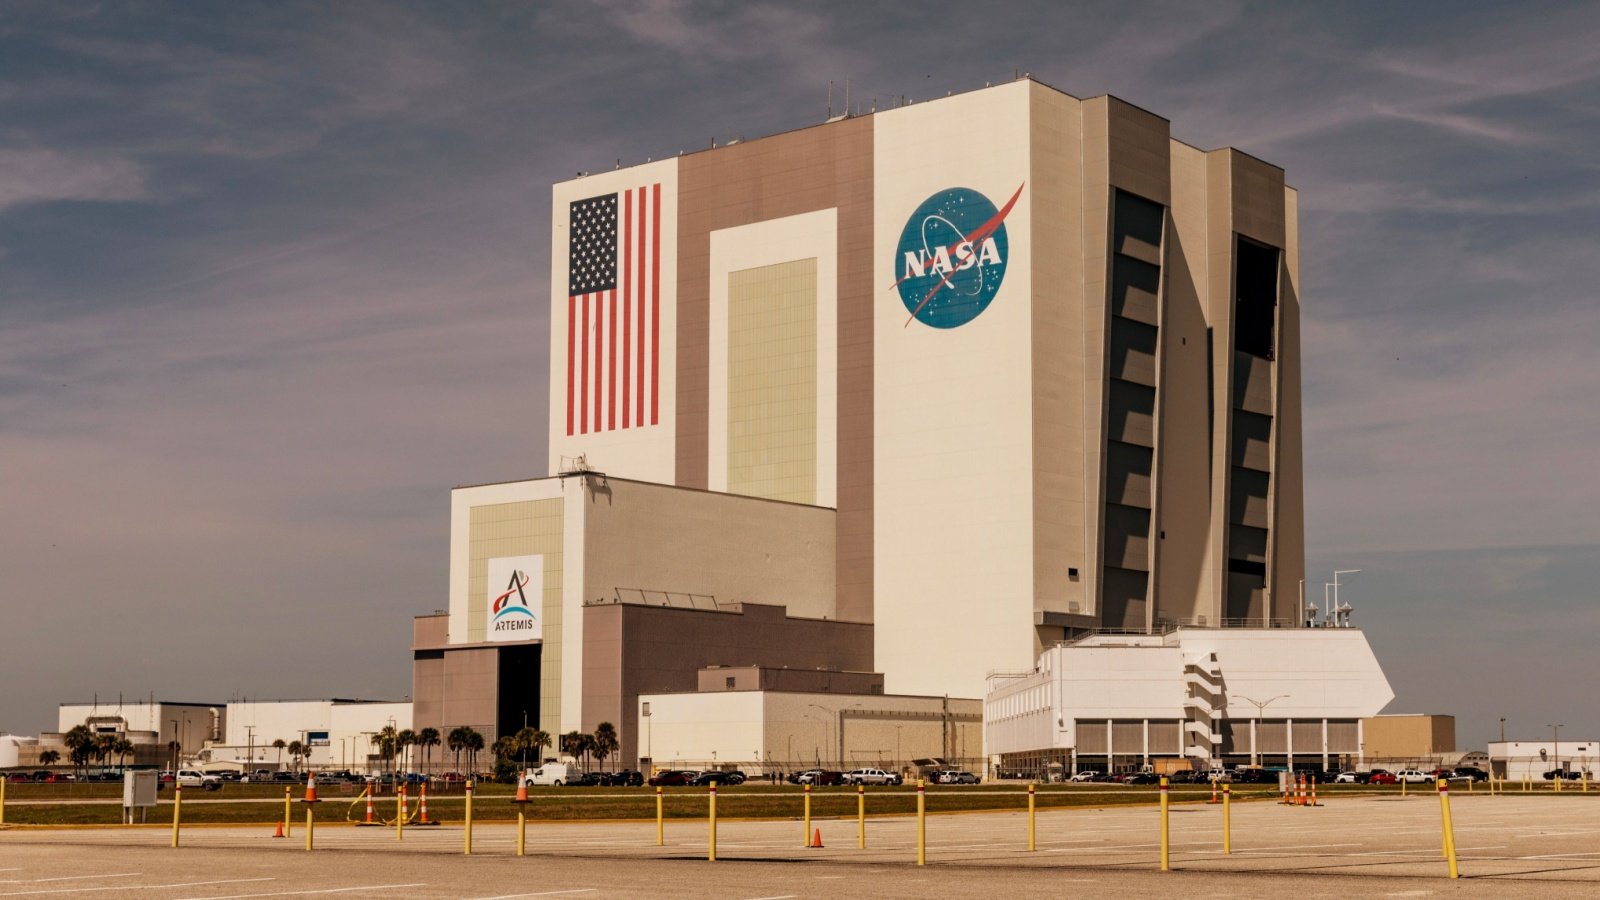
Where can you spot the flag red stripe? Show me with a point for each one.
(639, 400)
(655, 308)
(627, 310)
(584, 372)
(611, 363)
(599, 354)
(571, 335)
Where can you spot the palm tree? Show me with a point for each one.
(80, 742)
(122, 749)
(505, 747)
(279, 746)
(49, 757)
(474, 744)
(605, 742)
(385, 740)
(541, 740)
(457, 742)
(426, 738)
(296, 750)
(523, 742)
(104, 746)
(572, 743)
(405, 740)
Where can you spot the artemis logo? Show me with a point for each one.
(515, 597)
(952, 257)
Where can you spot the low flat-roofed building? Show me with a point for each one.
(1530, 760)
(1195, 697)
(1405, 737)
(768, 731)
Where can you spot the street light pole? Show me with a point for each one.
(1556, 750)
(1260, 705)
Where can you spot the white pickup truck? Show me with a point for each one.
(197, 778)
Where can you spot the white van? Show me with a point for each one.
(552, 773)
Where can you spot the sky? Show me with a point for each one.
(274, 278)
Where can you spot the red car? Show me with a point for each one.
(1381, 777)
(674, 778)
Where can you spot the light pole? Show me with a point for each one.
(1556, 751)
(1502, 729)
(827, 730)
(250, 752)
(1256, 725)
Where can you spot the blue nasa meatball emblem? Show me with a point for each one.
(952, 257)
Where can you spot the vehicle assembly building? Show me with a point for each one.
(899, 401)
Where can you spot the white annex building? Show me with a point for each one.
(1189, 697)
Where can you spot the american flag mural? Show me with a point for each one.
(614, 311)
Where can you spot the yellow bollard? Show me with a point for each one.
(177, 807)
(467, 832)
(522, 831)
(661, 832)
(1227, 819)
(861, 817)
(1032, 844)
(1449, 828)
(400, 813)
(805, 833)
(288, 821)
(711, 824)
(1166, 842)
(922, 824)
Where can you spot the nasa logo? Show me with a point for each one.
(952, 257)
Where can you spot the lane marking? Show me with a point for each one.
(129, 887)
(539, 894)
(777, 897)
(71, 878)
(343, 890)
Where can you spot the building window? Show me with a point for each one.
(729, 682)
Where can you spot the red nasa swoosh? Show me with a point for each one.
(977, 237)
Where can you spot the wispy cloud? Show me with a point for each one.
(44, 175)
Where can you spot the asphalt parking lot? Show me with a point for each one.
(1546, 846)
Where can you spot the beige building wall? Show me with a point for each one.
(647, 540)
(770, 730)
(1407, 736)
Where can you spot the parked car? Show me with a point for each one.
(1470, 773)
(720, 776)
(871, 776)
(1084, 776)
(961, 777)
(1553, 774)
(19, 778)
(197, 778)
(1141, 778)
(1351, 778)
(1414, 776)
(1381, 776)
(674, 778)
(1189, 776)
(820, 777)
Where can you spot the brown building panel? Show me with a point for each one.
(802, 171)
(631, 650)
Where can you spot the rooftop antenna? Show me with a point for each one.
(847, 96)
(830, 100)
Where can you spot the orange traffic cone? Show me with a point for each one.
(422, 806)
(1213, 792)
(522, 791)
(311, 787)
(279, 832)
(816, 838)
(369, 820)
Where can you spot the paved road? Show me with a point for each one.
(1509, 846)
